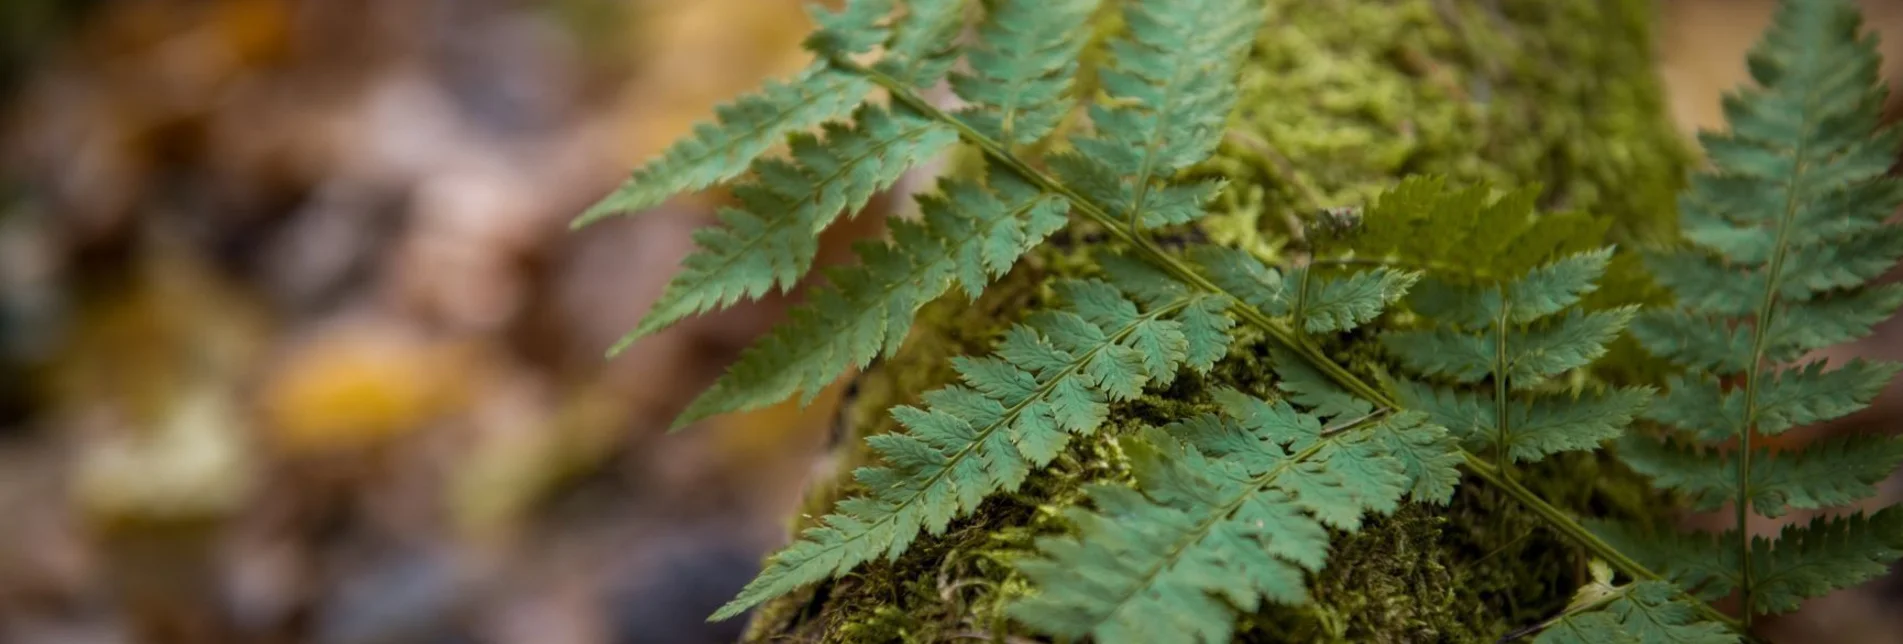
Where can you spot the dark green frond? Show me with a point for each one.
(967, 236)
(1792, 398)
(1231, 516)
(921, 49)
(769, 242)
(1052, 377)
(1022, 66)
(1169, 87)
(1699, 562)
(1831, 473)
(750, 125)
(856, 28)
(1787, 232)
(1309, 388)
(1531, 354)
(1811, 560)
(1537, 426)
(742, 131)
(1334, 303)
(1468, 234)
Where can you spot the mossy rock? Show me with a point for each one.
(1340, 99)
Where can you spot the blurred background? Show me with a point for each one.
(296, 346)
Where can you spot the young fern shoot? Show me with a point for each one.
(1786, 232)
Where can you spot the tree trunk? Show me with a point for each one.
(1339, 100)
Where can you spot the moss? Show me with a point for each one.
(1340, 99)
(1343, 97)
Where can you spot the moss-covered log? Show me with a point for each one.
(1340, 98)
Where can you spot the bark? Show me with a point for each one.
(1340, 99)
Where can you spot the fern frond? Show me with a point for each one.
(1052, 378)
(1169, 91)
(1539, 351)
(770, 241)
(1646, 612)
(968, 235)
(1785, 237)
(1539, 426)
(1465, 233)
(747, 127)
(1830, 553)
(1314, 390)
(1805, 561)
(1517, 334)
(1801, 396)
(1326, 303)
(1022, 66)
(1829, 473)
(856, 28)
(922, 47)
(1233, 516)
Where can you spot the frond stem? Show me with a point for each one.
(1500, 416)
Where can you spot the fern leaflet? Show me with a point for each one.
(1514, 334)
(968, 236)
(1168, 95)
(1021, 66)
(1234, 513)
(744, 129)
(1052, 377)
(1645, 612)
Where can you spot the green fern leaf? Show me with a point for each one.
(742, 131)
(1021, 68)
(1829, 553)
(1830, 473)
(1341, 303)
(1332, 302)
(1542, 350)
(1465, 233)
(1543, 425)
(747, 127)
(1801, 396)
(1169, 87)
(856, 28)
(1516, 334)
(922, 46)
(770, 241)
(1234, 516)
(1053, 377)
(1785, 239)
(1314, 390)
(1646, 612)
(1805, 561)
(967, 236)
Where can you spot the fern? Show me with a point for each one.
(1052, 378)
(1506, 304)
(1465, 234)
(1646, 612)
(1518, 335)
(1021, 67)
(968, 236)
(744, 129)
(769, 242)
(1233, 509)
(1786, 232)
(1169, 91)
